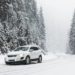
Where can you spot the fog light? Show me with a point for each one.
(22, 57)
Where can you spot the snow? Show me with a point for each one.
(49, 56)
(1, 59)
(53, 64)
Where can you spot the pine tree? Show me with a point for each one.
(31, 10)
(72, 37)
(3, 9)
(42, 29)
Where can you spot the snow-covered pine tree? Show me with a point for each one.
(3, 9)
(72, 37)
(31, 10)
(42, 30)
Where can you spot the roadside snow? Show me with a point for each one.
(1, 59)
(49, 56)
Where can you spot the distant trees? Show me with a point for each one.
(20, 24)
(42, 29)
(71, 49)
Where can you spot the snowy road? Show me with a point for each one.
(62, 65)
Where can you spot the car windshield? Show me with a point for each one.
(21, 49)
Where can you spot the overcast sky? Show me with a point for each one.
(58, 18)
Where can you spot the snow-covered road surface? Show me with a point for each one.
(62, 65)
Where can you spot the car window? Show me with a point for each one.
(21, 49)
(34, 48)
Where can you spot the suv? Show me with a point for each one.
(24, 54)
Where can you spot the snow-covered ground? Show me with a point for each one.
(53, 64)
(2, 59)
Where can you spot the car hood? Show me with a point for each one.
(16, 52)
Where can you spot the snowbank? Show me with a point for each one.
(49, 56)
(1, 59)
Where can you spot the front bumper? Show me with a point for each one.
(14, 59)
(16, 62)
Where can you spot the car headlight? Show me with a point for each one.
(21, 55)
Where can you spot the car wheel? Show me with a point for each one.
(27, 61)
(40, 59)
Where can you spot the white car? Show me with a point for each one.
(24, 54)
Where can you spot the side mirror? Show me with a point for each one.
(31, 50)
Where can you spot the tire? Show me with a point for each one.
(27, 61)
(40, 59)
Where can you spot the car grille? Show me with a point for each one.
(12, 55)
(11, 60)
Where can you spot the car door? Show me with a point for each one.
(34, 52)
